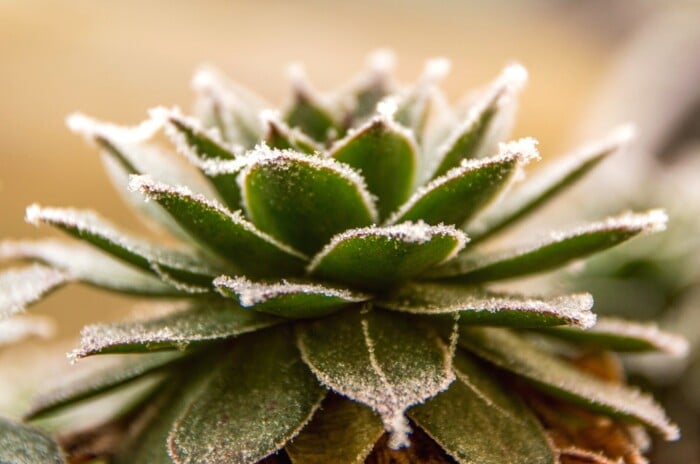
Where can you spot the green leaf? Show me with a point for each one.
(280, 136)
(257, 401)
(76, 261)
(17, 328)
(481, 307)
(181, 327)
(96, 382)
(341, 432)
(377, 359)
(477, 134)
(90, 227)
(414, 105)
(21, 287)
(227, 234)
(546, 185)
(459, 194)
(611, 333)
(561, 249)
(513, 353)
(378, 257)
(385, 153)
(368, 88)
(476, 422)
(24, 444)
(287, 299)
(304, 200)
(308, 111)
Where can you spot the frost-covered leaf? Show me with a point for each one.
(17, 328)
(90, 227)
(258, 400)
(368, 88)
(378, 257)
(611, 333)
(379, 360)
(304, 200)
(287, 299)
(178, 328)
(486, 123)
(511, 352)
(23, 286)
(230, 108)
(76, 261)
(227, 234)
(86, 385)
(341, 432)
(386, 155)
(282, 137)
(546, 185)
(24, 444)
(481, 307)
(456, 196)
(476, 422)
(308, 111)
(559, 250)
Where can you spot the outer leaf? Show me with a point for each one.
(379, 360)
(98, 382)
(79, 262)
(558, 251)
(414, 105)
(23, 444)
(341, 432)
(386, 155)
(21, 287)
(282, 137)
(308, 111)
(378, 257)
(508, 351)
(477, 422)
(459, 194)
(227, 234)
(546, 185)
(200, 322)
(614, 334)
(304, 200)
(89, 226)
(20, 327)
(287, 299)
(259, 399)
(477, 134)
(477, 306)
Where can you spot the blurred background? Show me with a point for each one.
(592, 65)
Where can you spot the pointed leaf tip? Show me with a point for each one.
(24, 286)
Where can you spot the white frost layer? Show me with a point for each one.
(21, 287)
(652, 221)
(91, 128)
(669, 343)
(407, 232)
(18, 328)
(252, 293)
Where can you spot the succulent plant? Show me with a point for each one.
(328, 297)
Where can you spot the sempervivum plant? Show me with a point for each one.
(328, 301)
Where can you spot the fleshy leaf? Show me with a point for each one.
(561, 249)
(17, 328)
(258, 400)
(280, 136)
(24, 444)
(79, 262)
(371, 86)
(378, 257)
(287, 299)
(513, 353)
(21, 287)
(341, 432)
(201, 321)
(386, 155)
(90, 227)
(478, 134)
(225, 233)
(546, 185)
(381, 361)
(477, 422)
(460, 193)
(614, 334)
(308, 111)
(97, 382)
(481, 307)
(304, 200)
